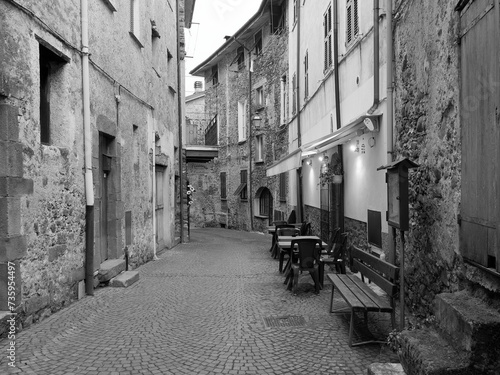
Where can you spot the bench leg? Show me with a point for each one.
(331, 298)
(351, 327)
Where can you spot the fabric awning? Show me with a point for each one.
(240, 188)
(289, 162)
(342, 135)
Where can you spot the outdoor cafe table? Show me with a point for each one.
(285, 242)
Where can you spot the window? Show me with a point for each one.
(283, 108)
(135, 24)
(242, 121)
(50, 72)
(242, 189)
(259, 97)
(282, 192)
(306, 75)
(294, 93)
(215, 74)
(327, 42)
(259, 148)
(244, 180)
(278, 18)
(240, 57)
(265, 203)
(258, 43)
(211, 133)
(223, 187)
(352, 21)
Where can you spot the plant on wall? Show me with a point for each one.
(331, 173)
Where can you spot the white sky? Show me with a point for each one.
(212, 20)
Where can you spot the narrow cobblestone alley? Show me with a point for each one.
(203, 308)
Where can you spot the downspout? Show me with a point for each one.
(340, 187)
(182, 190)
(154, 186)
(390, 122)
(390, 88)
(89, 183)
(300, 211)
(376, 57)
(249, 178)
(299, 141)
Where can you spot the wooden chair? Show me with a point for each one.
(308, 258)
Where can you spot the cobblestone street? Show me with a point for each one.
(205, 307)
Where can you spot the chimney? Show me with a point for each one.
(198, 86)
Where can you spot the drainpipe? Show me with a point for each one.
(249, 178)
(179, 107)
(299, 141)
(390, 88)
(300, 210)
(154, 186)
(340, 187)
(376, 58)
(89, 183)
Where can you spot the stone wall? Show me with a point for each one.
(427, 130)
(42, 189)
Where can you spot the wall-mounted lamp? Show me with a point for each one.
(355, 147)
(257, 120)
(309, 161)
(323, 158)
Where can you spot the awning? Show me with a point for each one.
(342, 135)
(240, 188)
(289, 162)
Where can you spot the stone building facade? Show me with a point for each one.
(134, 115)
(233, 189)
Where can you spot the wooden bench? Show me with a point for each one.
(359, 296)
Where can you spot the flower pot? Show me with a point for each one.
(337, 179)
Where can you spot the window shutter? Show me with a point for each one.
(349, 24)
(355, 18)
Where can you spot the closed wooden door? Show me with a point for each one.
(480, 106)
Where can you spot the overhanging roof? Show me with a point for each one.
(289, 162)
(188, 13)
(342, 135)
(201, 153)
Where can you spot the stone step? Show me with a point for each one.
(124, 279)
(110, 268)
(470, 325)
(386, 369)
(425, 352)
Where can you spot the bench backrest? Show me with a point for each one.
(382, 273)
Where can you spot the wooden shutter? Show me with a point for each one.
(480, 124)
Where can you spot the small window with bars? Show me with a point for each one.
(258, 43)
(215, 74)
(240, 52)
(223, 186)
(352, 27)
(327, 35)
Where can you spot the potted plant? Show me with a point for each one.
(331, 173)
